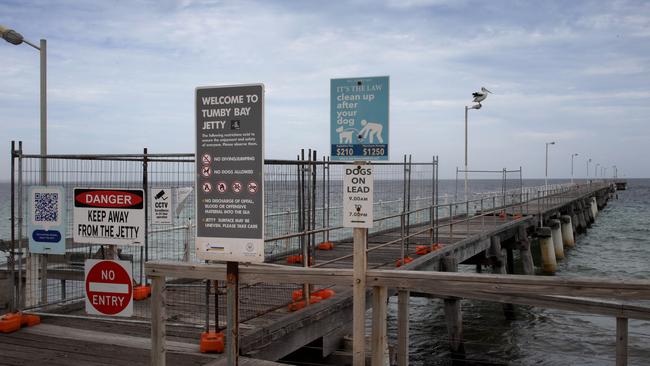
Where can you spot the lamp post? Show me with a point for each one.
(467, 108)
(614, 171)
(588, 161)
(572, 156)
(546, 170)
(16, 38)
(596, 170)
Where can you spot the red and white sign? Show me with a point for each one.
(109, 287)
(108, 216)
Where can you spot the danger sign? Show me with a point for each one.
(109, 288)
(108, 216)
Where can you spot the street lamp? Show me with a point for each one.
(614, 171)
(546, 171)
(16, 38)
(596, 170)
(588, 161)
(572, 156)
(467, 108)
(479, 96)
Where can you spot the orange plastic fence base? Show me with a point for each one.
(326, 245)
(297, 259)
(422, 249)
(29, 320)
(407, 260)
(141, 292)
(212, 342)
(436, 246)
(323, 294)
(297, 305)
(10, 322)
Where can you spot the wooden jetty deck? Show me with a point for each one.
(273, 332)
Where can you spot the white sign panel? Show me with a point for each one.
(46, 224)
(161, 206)
(180, 197)
(358, 187)
(109, 287)
(108, 216)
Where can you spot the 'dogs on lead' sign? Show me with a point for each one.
(358, 188)
(108, 216)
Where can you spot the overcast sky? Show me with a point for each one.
(121, 75)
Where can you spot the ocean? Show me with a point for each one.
(617, 246)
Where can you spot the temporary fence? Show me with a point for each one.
(303, 205)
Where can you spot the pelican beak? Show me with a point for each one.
(488, 91)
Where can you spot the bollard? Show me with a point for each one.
(567, 231)
(556, 234)
(549, 264)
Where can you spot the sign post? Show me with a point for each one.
(230, 186)
(359, 114)
(109, 287)
(358, 187)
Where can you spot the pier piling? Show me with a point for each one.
(556, 234)
(549, 263)
(567, 231)
(524, 251)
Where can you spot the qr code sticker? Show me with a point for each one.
(46, 207)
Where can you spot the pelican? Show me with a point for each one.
(480, 96)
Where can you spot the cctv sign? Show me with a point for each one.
(358, 187)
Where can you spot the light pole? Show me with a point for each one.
(546, 170)
(614, 172)
(467, 108)
(16, 38)
(588, 161)
(572, 156)
(596, 170)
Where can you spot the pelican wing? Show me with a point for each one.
(476, 94)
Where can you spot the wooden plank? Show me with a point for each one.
(232, 339)
(426, 281)
(359, 297)
(621, 341)
(403, 327)
(158, 318)
(379, 337)
(105, 338)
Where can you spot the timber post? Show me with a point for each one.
(453, 314)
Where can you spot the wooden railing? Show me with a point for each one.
(583, 295)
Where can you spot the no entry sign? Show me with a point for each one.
(109, 288)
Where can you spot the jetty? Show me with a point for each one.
(268, 311)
